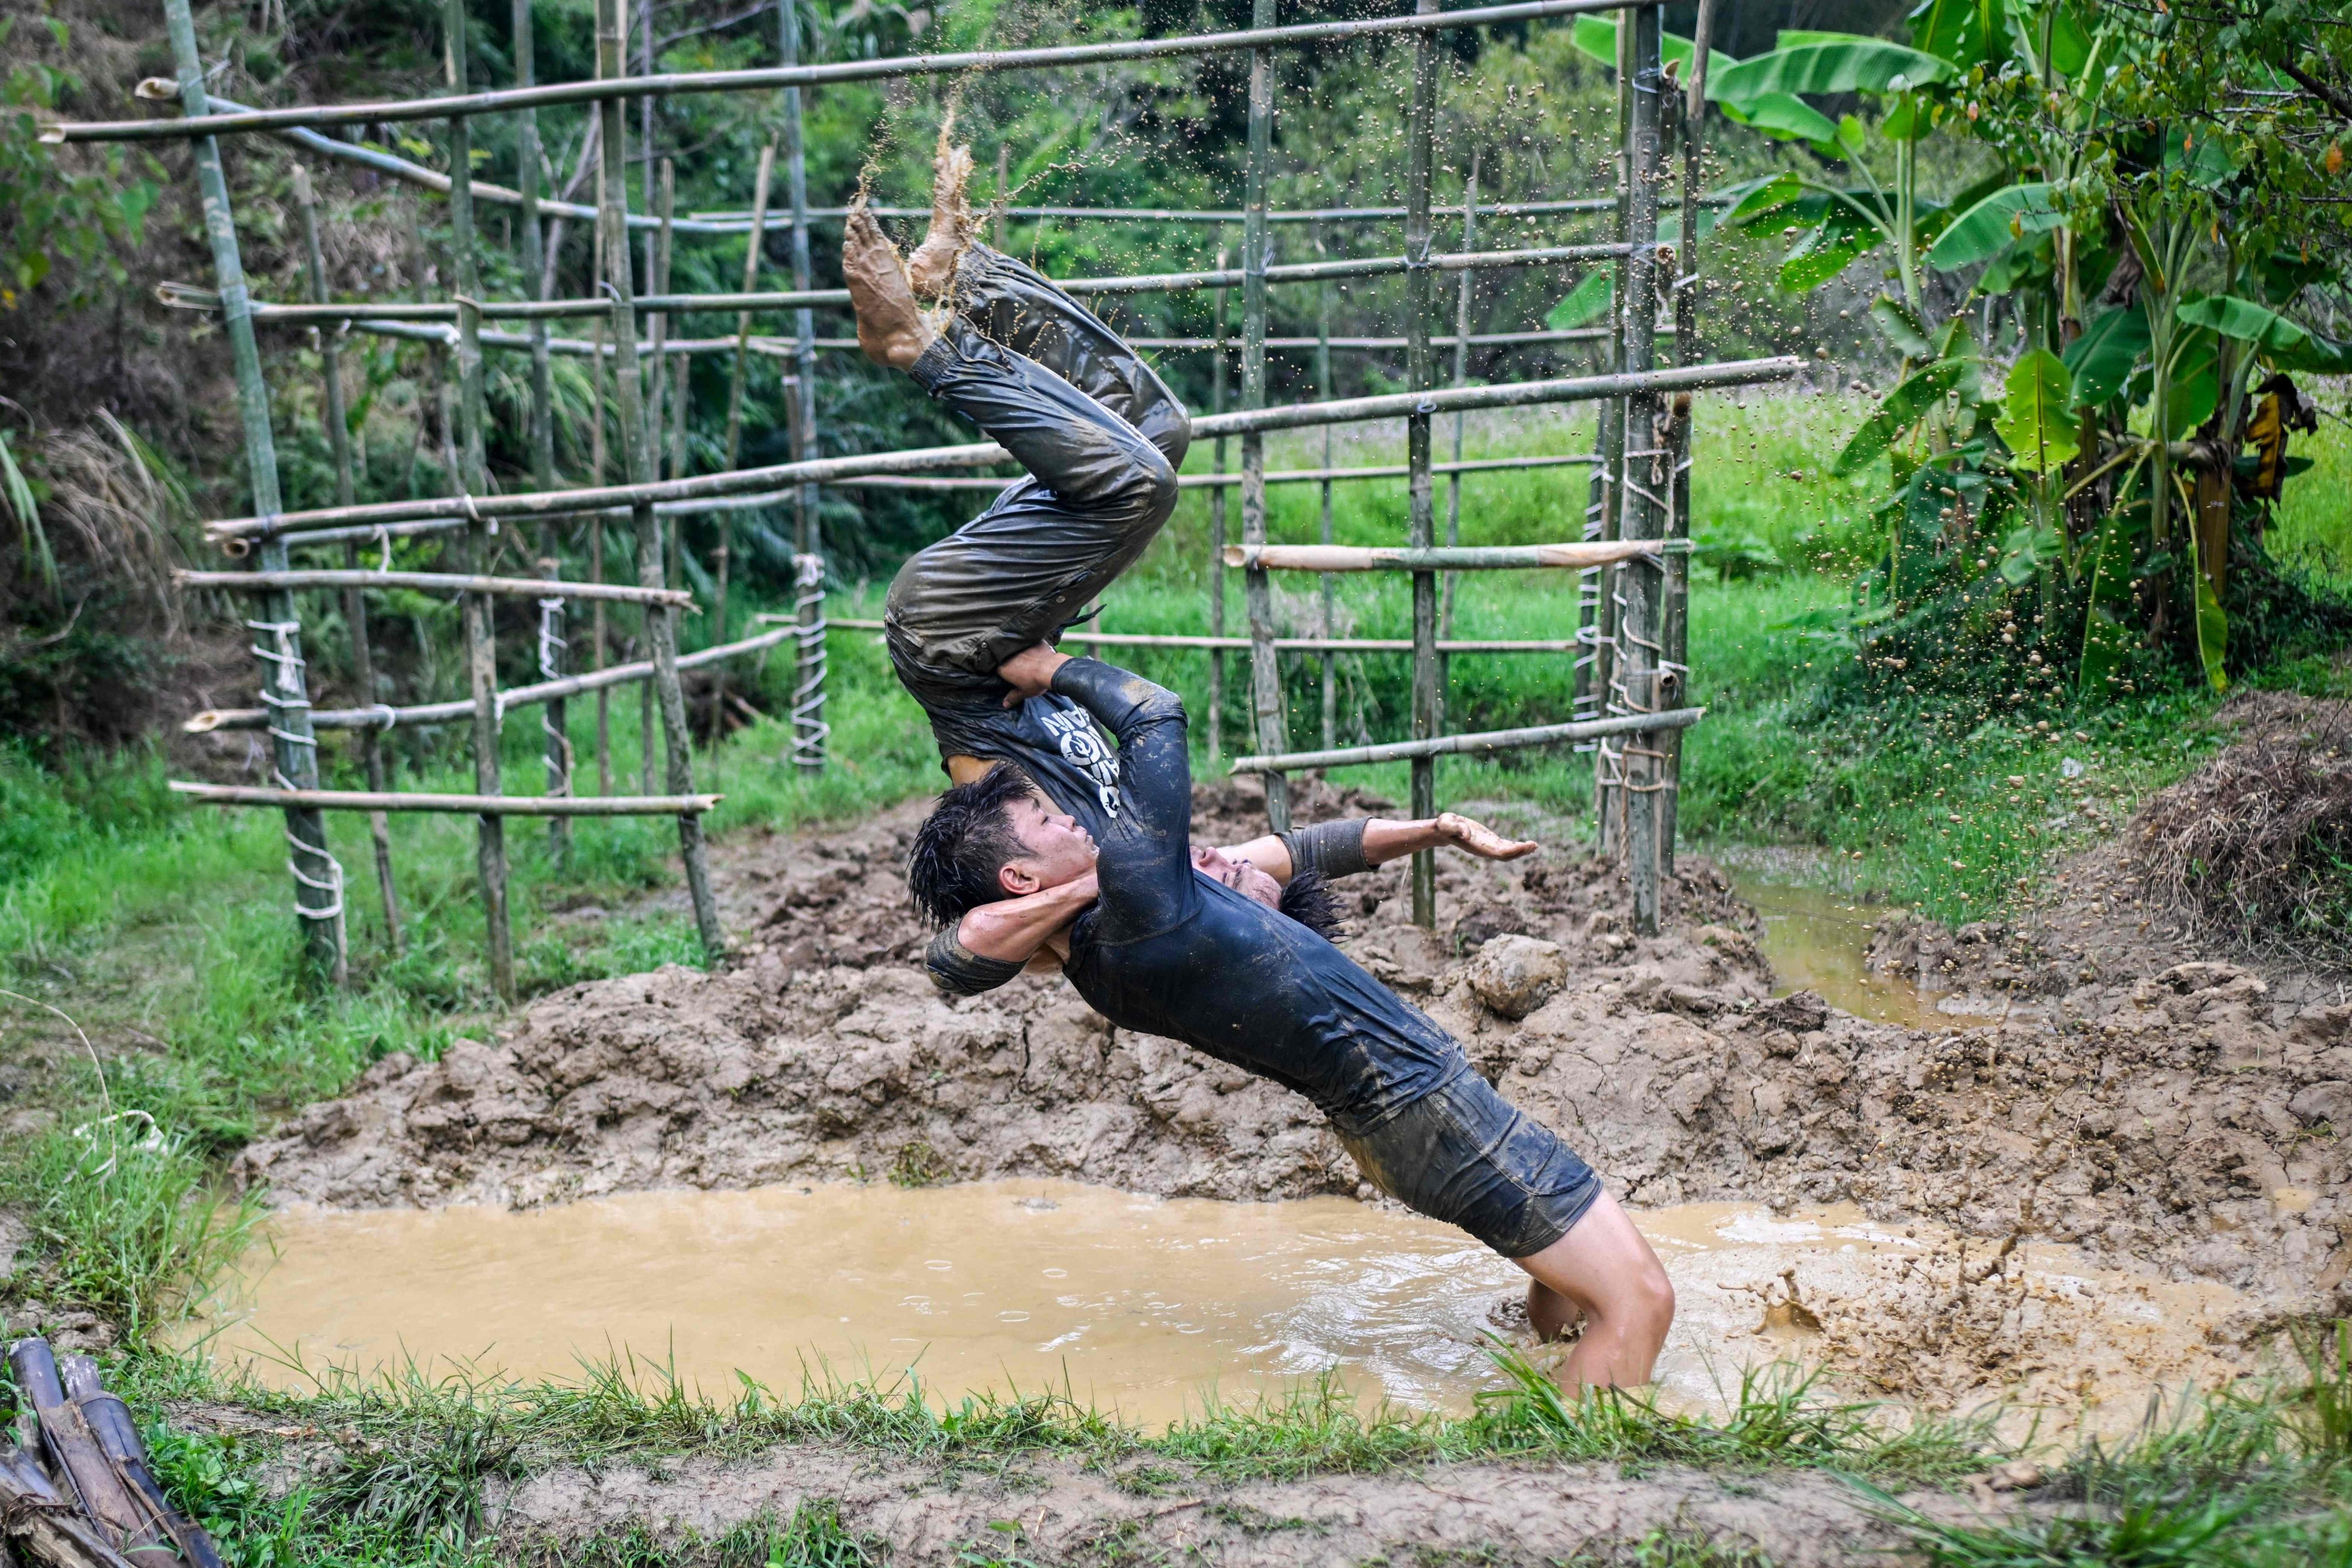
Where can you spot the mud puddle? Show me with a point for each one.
(1816, 940)
(1150, 1306)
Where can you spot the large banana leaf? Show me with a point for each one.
(1901, 326)
(2284, 343)
(1785, 117)
(1901, 409)
(2009, 213)
(1834, 243)
(1597, 36)
(1587, 301)
(2102, 358)
(1964, 31)
(1766, 194)
(1827, 63)
(2036, 418)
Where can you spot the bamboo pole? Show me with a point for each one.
(657, 280)
(481, 651)
(181, 297)
(1287, 644)
(554, 725)
(619, 87)
(294, 750)
(810, 730)
(1420, 376)
(1437, 557)
(1608, 760)
(385, 716)
(491, 805)
(1472, 745)
(704, 487)
(1217, 521)
(436, 582)
(596, 626)
(1329, 692)
(636, 449)
(1461, 379)
(1269, 703)
(1324, 477)
(538, 266)
(752, 258)
(356, 615)
(1688, 351)
(1646, 483)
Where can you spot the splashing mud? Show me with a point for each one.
(1151, 1307)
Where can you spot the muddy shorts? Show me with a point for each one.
(1463, 1154)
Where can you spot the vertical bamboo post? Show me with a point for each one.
(1461, 378)
(1645, 483)
(1266, 699)
(753, 255)
(481, 653)
(539, 268)
(596, 632)
(339, 443)
(658, 282)
(294, 750)
(1004, 187)
(809, 729)
(536, 265)
(1330, 693)
(1688, 351)
(1421, 128)
(1609, 754)
(636, 446)
(1217, 532)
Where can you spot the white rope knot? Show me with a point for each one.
(332, 883)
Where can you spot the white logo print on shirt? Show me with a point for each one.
(1083, 750)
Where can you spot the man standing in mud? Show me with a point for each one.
(1159, 937)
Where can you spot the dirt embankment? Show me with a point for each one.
(2186, 1127)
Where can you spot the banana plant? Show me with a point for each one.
(1879, 203)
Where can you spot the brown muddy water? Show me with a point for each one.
(1146, 1306)
(1815, 939)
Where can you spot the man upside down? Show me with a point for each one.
(1053, 845)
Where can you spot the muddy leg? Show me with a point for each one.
(1605, 1270)
(890, 326)
(932, 268)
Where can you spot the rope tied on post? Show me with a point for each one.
(810, 728)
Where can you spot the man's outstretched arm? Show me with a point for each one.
(1348, 845)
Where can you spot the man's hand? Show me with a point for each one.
(1030, 673)
(1478, 838)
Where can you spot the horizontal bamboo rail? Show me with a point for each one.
(436, 582)
(1489, 740)
(786, 348)
(1283, 644)
(189, 297)
(466, 805)
(1441, 558)
(389, 718)
(674, 83)
(831, 470)
(1217, 481)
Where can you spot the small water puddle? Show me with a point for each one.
(1816, 939)
(1135, 1304)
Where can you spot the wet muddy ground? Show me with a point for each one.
(1956, 1186)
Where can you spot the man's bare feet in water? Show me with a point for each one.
(890, 326)
(932, 268)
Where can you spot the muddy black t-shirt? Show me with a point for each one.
(1054, 741)
(1168, 951)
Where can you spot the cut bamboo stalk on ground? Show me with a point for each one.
(1472, 745)
(75, 1457)
(828, 470)
(465, 805)
(41, 1522)
(435, 583)
(612, 88)
(1437, 557)
(110, 1422)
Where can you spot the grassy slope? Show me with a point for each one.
(166, 929)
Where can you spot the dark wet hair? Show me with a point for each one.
(1308, 898)
(964, 842)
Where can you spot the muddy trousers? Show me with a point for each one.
(1100, 435)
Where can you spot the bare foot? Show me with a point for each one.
(890, 328)
(932, 268)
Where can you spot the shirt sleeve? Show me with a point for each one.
(1329, 848)
(1145, 854)
(961, 972)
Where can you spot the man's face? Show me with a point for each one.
(1056, 849)
(1240, 875)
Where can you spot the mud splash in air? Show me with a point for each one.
(1152, 1307)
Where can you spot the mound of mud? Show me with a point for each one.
(2189, 1126)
